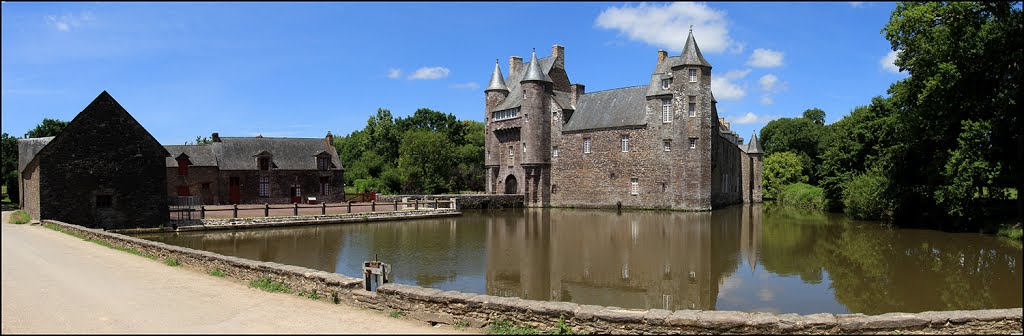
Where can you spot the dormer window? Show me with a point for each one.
(506, 114)
(323, 163)
(264, 163)
(183, 164)
(666, 83)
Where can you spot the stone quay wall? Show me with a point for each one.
(276, 221)
(451, 307)
(467, 201)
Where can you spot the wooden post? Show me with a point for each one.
(349, 206)
(266, 209)
(323, 208)
(417, 205)
(373, 206)
(396, 204)
(296, 212)
(234, 211)
(202, 211)
(435, 204)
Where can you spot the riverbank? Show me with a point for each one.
(281, 221)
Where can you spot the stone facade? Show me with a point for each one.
(656, 146)
(104, 170)
(477, 310)
(228, 170)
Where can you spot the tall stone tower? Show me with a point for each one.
(536, 133)
(694, 110)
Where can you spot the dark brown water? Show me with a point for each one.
(748, 258)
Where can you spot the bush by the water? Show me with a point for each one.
(802, 195)
(20, 217)
(863, 197)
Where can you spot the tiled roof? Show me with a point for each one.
(28, 148)
(610, 108)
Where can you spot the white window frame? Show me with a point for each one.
(666, 83)
(634, 186)
(693, 75)
(693, 143)
(666, 110)
(586, 145)
(667, 145)
(625, 143)
(554, 151)
(692, 106)
(263, 186)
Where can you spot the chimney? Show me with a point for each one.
(727, 125)
(329, 138)
(575, 91)
(514, 64)
(558, 52)
(662, 55)
(721, 121)
(216, 137)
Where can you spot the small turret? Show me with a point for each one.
(754, 147)
(497, 81)
(534, 72)
(691, 53)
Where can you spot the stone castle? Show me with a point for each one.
(660, 145)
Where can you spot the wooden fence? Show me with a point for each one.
(374, 206)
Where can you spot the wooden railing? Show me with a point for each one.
(304, 209)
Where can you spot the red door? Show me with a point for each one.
(234, 191)
(183, 190)
(296, 194)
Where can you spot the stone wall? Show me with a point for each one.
(196, 178)
(468, 201)
(276, 221)
(451, 307)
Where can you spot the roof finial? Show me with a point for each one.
(691, 28)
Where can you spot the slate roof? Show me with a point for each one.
(288, 153)
(497, 82)
(610, 108)
(534, 71)
(515, 95)
(691, 53)
(199, 155)
(753, 146)
(28, 148)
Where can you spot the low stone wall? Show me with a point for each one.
(262, 222)
(450, 307)
(466, 201)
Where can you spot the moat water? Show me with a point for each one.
(747, 258)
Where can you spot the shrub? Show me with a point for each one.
(173, 262)
(11, 181)
(864, 198)
(20, 217)
(217, 272)
(802, 195)
(781, 169)
(267, 284)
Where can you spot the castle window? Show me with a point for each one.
(325, 185)
(634, 186)
(511, 156)
(625, 143)
(264, 186)
(554, 151)
(264, 163)
(506, 114)
(693, 75)
(693, 143)
(554, 188)
(666, 110)
(667, 145)
(104, 201)
(524, 147)
(182, 166)
(206, 186)
(665, 83)
(586, 145)
(692, 107)
(664, 187)
(323, 163)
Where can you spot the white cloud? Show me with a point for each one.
(667, 26)
(856, 4)
(765, 58)
(767, 100)
(724, 87)
(768, 82)
(66, 22)
(430, 73)
(467, 86)
(394, 73)
(888, 63)
(751, 118)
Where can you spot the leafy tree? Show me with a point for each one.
(815, 115)
(781, 169)
(425, 162)
(864, 197)
(10, 157)
(798, 135)
(49, 127)
(964, 61)
(851, 146)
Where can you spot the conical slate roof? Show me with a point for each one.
(497, 81)
(535, 73)
(754, 147)
(691, 53)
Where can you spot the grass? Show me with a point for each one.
(57, 228)
(217, 273)
(461, 325)
(171, 261)
(1011, 231)
(269, 285)
(20, 217)
(396, 313)
(312, 295)
(505, 327)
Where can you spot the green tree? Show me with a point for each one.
(49, 127)
(964, 61)
(815, 115)
(10, 156)
(798, 135)
(781, 169)
(851, 146)
(425, 162)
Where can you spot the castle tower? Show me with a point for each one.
(536, 133)
(756, 166)
(495, 92)
(695, 117)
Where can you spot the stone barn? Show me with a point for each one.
(104, 170)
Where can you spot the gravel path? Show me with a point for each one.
(55, 283)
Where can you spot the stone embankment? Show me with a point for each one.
(464, 201)
(277, 221)
(450, 307)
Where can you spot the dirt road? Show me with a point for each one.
(55, 283)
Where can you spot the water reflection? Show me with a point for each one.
(749, 258)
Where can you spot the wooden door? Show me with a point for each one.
(234, 191)
(296, 194)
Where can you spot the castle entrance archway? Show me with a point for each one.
(510, 184)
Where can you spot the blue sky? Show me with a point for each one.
(302, 69)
